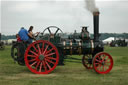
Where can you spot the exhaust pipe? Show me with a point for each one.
(96, 25)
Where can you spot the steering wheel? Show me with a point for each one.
(52, 33)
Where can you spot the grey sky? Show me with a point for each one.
(69, 15)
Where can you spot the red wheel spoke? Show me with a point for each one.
(37, 65)
(99, 57)
(39, 48)
(49, 50)
(45, 68)
(34, 48)
(45, 49)
(42, 47)
(107, 59)
(51, 58)
(50, 54)
(104, 58)
(50, 61)
(103, 68)
(99, 66)
(32, 60)
(40, 67)
(107, 65)
(48, 65)
(33, 63)
(32, 56)
(98, 61)
(34, 53)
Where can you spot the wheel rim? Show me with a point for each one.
(102, 63)
(41, 57)
(87, 61)
(50, 32)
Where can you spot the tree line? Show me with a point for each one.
(102, 36)
(116, 35)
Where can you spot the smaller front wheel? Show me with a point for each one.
(102, 63)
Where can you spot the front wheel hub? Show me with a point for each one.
(41, 57)
(103, 63)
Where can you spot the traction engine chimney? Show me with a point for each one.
(96, 25)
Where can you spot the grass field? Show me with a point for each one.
(70, 74)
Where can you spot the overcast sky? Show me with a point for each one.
(69, 15)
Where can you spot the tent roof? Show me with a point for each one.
(108, 39)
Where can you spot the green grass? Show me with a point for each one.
(70, 74)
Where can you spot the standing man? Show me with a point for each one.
(24, 35)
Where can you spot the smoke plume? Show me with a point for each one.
(91, 6)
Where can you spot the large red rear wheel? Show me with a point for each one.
(102, 63)
(87, 61)
(41, 57)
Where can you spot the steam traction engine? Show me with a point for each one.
(43, 55)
